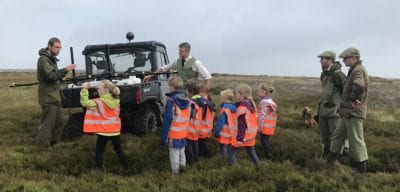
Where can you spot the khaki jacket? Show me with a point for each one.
(355, 88)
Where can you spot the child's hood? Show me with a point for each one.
(180, 99)
(230, 106)
(248, 104)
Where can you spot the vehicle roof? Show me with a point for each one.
(151, 45)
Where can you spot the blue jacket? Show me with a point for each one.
(222, 119)
(179, 98)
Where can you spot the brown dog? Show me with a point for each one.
(307, 116)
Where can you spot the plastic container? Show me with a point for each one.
(130, 81)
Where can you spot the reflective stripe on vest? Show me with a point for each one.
(225, 133)
(180, 123)
(102, 120)
(195, 122)
(268, 124)
(251, 130)
(207, 124)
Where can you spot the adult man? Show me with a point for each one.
(188, 67)
(352, 111)
(332, 79)
(48, 76)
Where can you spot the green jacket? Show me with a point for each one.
(356, 88)
(48, 76)
(110, 101)
(332, 81)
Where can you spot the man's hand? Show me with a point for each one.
(147, 77)
(71, 67)
(356, 103)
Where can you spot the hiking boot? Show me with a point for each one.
(361, 166)
(326, 152)
(332, 158)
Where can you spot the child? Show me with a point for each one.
(226, 121)
(175, 124)
(266, 117)
(196, 111)
(246, 132)
(102, 118)
(207, 121)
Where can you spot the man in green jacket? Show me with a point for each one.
(48, 76)
(332, 79)
(352, 111)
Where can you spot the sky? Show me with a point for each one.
(255, 37)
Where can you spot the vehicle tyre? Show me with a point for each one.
(73, 128)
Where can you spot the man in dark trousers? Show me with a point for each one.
(48, 76)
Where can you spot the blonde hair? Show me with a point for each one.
(176, 82)
(112, 89)
(227, 94)
(245, 91)
(266, 87)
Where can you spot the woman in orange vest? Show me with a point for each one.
(266, 117)
(245, 133)
(176, 123)
(225, 122)
(102, 118)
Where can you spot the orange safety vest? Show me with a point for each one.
(251, 131)
(195, 122)
(207, 124)
(102, 119)
(180, 123)
(225, 136)
(268, 124)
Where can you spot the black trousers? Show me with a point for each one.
(192, 151)
(101, 147)
(203, 149)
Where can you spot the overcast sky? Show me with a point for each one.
(272, 37)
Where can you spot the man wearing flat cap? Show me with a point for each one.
(332, 80)
(352, 112)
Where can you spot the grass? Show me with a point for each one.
(296, 150)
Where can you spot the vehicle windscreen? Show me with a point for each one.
(121, 60)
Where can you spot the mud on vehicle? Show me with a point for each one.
(125, 64)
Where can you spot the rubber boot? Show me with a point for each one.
(362, 167)
(332, 158)
(326, 152)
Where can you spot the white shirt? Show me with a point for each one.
(198, 67)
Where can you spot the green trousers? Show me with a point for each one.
(51, 125)
(352, 128)
(326, 127)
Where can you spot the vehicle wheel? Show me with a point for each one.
(144, 121)
(73, 128)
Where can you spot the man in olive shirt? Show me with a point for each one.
(48, 76)
(352, 111)
(188, 67)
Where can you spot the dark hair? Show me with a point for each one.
(185, 45)
(52, 41)
(193, 87)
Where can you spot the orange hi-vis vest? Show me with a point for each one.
(102, 119)
(225, 136)
(195, 122)
(180, 122)
(268, 123)
(251, 131)
(207, 124)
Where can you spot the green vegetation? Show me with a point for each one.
(296, 150)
